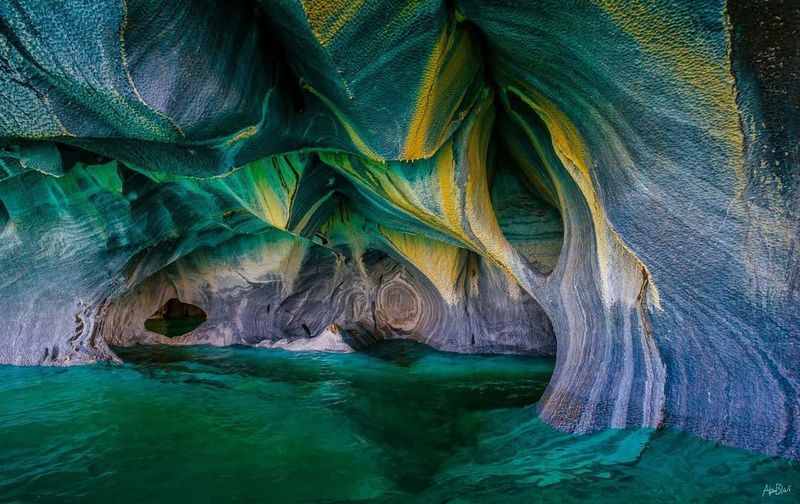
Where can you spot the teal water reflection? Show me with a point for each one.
(401, 423)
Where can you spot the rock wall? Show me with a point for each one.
(275, 287)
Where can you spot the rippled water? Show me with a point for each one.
(399, 424)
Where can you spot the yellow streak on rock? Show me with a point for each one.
(573, 154)
(460, 205)
(351, 132)
(393, 188)
(478, 208)
(266, 188)
(438, 261)
(449, 194)
(273, 204)
(282, 255)
(451, 55)
(303, 222)
(328, 17)
(245, 133)
(666, 33)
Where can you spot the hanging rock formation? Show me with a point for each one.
(617, 180)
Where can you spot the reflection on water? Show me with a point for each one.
(176, 327)
(399, 423)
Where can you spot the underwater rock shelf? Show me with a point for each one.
(614, 183)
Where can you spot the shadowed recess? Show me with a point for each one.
(175, 318)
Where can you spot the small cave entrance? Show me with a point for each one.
(175, 318)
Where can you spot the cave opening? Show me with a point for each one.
(175, 318)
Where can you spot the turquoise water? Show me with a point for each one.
(399, 424)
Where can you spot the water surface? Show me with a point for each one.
(400, 423)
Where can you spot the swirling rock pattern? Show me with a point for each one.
(615, 179)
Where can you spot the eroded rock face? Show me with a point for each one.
(254, 295)
(618, 179)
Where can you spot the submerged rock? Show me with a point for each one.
(329, 340)
(615, 183)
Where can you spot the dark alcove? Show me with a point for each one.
(175, 318)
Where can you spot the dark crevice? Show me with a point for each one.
(5, 217)
(72, 155)
(286, 79)
(175, 318)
